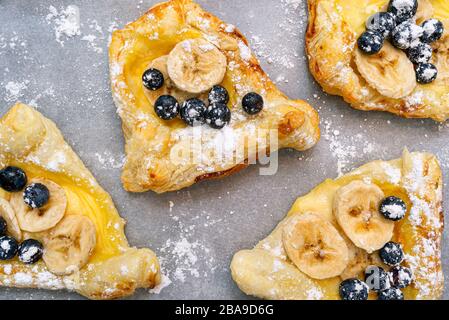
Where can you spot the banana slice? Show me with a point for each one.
(359, 260)
(7, 213)
(315, 246)
(37, 220)
(69, 245)
(356, 208)
(425, 11)
(390, 72)
(169, 87)
(196, 65)
(441, 54)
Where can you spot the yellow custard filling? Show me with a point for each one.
(84, 199)
(320, 201)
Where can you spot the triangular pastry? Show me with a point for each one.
(62, 229)
(179, 50)
(385, 216)
(389, 80)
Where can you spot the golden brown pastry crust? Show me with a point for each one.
(150, 140)
(331, 41)
(29, 139)
(266, 271)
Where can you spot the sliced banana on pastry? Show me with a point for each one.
(169, 88)
(425, 11)
(356, 208)
(7, 213)
(315, 246)
(40, 219)
(390, 71)
(359, 260)
(196, 65)
(69, 245)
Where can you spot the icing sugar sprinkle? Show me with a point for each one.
(66, 22)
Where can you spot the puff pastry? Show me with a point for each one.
(335, 25)
(267, 271)
(32, 142)
(150, 141)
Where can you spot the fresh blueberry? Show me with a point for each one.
(8, 248)
(426, 73)
(153, 79)
(3, 226)
(433, 29)
(391, 294)
(166, 107)
(401, 277)
(12, 179)
(218, 115)
(218, 94)
(393, 208)
(381, 22)
(391, 254)
(406, 35)
(370, 42)
(354, 289)
(36, 195)
(252, 103)
(377, 278)
(420, 53)
(193, 112)
(403, 9)
(30, 251)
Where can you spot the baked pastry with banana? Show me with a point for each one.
(58, 228)
(187, 83)
(385, 55)
(374, 233)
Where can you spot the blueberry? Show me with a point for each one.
(30, 251)
(12, 179)
(3, 226)
(426, 73)
(36, 195)
(8, 248)
(391, 254)
(166, 107)
(377, 278)
(193, 112)
(393, 208)
(420, 53)
(401, 277)
(218, 94)
(218, 115)
(406, 35)
(252, 103)
(370, 42)
(391, 294)
(153, 79)
(403, 9)
(353, 289)
(381, 22)
(433, 29)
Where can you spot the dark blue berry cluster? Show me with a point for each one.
(13, 179)
(195, 112)
(398, 26)
(387, 284)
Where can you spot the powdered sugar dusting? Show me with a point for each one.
(66, 22)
